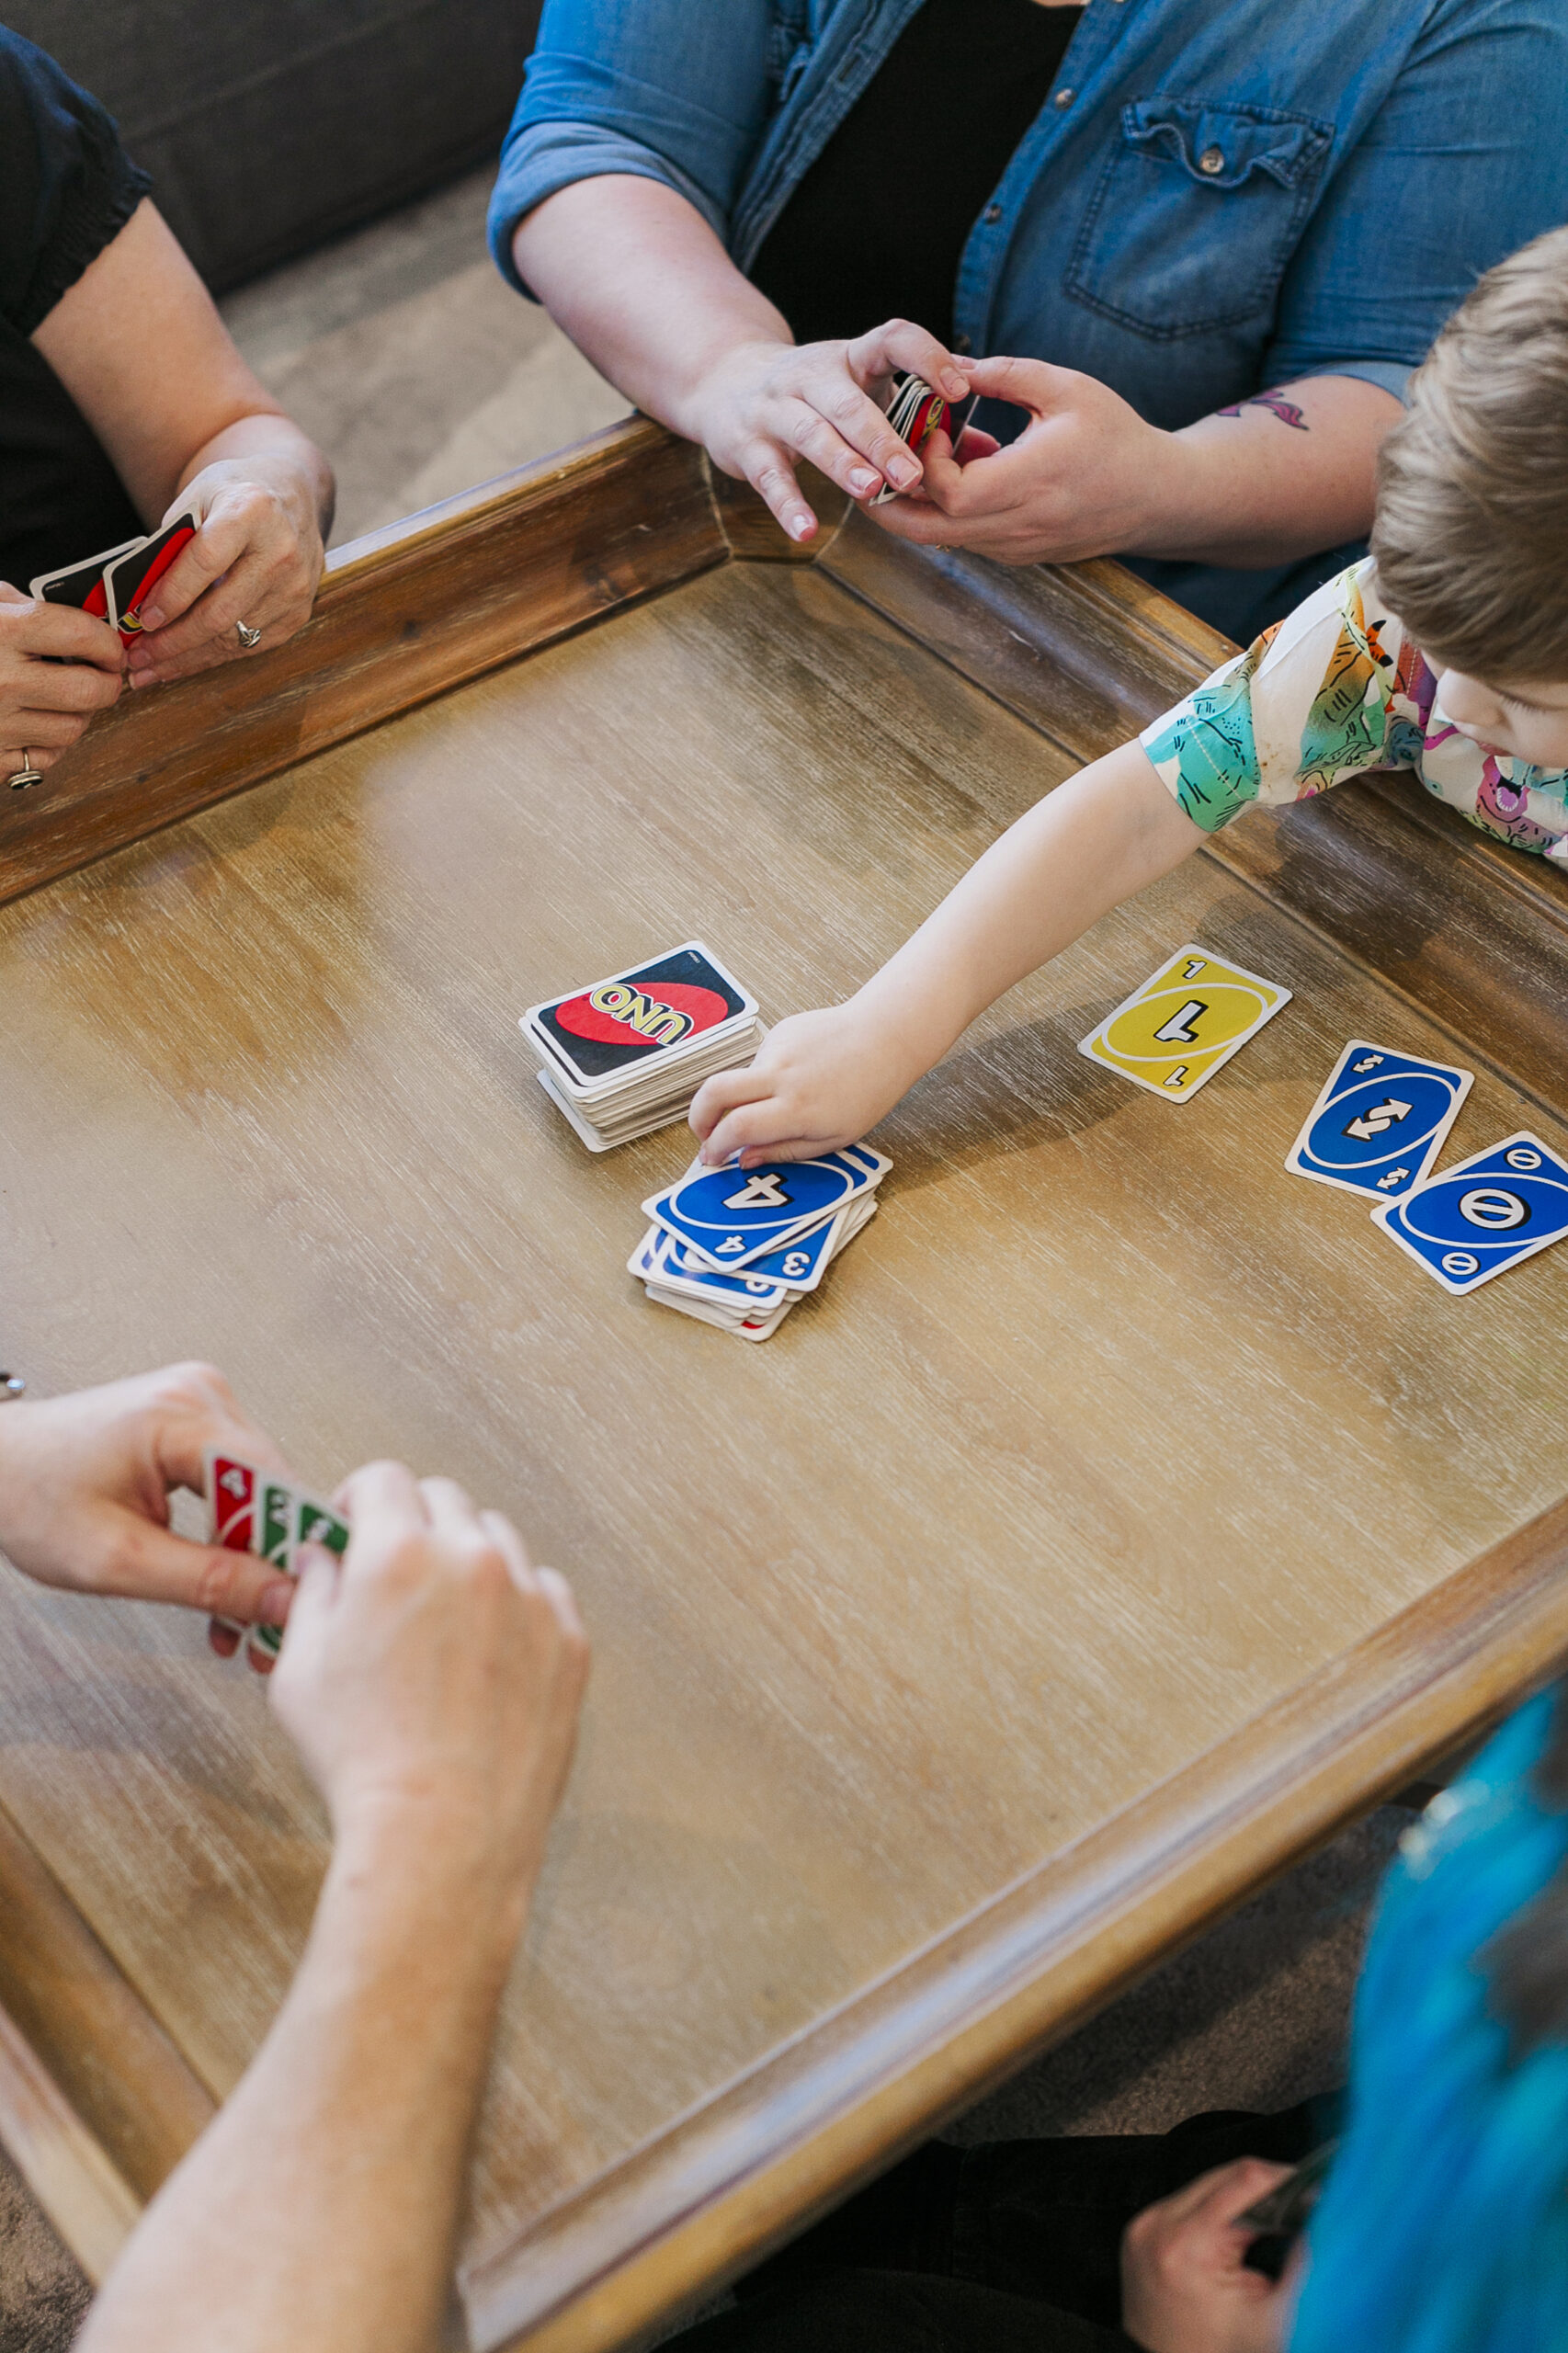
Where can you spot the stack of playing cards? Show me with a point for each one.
(627, 1055)
(915, 412)
(112, 587)
(739, 1250)
(252, 1510)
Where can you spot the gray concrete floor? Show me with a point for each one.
(401, 350)
(403, 354)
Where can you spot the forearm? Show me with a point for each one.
(270, 448)
(1096, 840)
(637, 279)
(1285, 474)
(319, 2211)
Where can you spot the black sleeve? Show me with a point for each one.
(67, 187)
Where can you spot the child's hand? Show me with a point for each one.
(819, 1081)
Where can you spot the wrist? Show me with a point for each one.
(736, 351)
(444, 1877)
(1188, 489)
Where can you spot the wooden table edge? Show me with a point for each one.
(710, 2196)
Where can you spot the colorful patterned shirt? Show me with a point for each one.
(1335, 690)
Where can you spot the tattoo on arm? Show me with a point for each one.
(1276, 405)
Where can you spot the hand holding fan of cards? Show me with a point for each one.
(250, 1510)
(115, 584)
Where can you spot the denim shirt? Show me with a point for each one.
(1217, 197)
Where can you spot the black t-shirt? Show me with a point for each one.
(878, 225)
(67, 188)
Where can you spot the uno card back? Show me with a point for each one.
(1184, 1023)
(1379, 1122)
(1477, 1220)
(81, 584)
(130, 579)
(634, 1016)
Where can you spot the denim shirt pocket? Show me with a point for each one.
(1197, 214)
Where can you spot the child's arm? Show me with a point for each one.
(822, 1079)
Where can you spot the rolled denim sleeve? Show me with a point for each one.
(1465, 160)
(674, 90)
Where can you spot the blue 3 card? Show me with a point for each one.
(732, 1217)
(1380, 1122)
(1476, 1220)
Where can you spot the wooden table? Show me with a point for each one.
(1123, 1517)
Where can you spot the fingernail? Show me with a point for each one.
(904, 472)
(142, 678)
(275, 1601)
(954, 385)
(862, 479)
(151, 617)
(802, 526)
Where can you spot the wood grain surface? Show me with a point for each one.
(92, 2207)
(1122, 1515)
(403, 614)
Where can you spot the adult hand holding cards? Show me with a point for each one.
(252, 1510)
(627, 1054)
(115, 584)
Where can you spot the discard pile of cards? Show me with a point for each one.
(252, 1510)
(113, 587)
(741, 1249)
(626, 1055)
(1377, 1128)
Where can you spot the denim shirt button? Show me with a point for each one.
(1063, 97)
(1212, 160)
(992, 214)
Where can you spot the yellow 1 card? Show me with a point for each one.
(1175, 1031)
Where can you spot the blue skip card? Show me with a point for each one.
(1380, 1122)
(731, 1218)
(1474, 1221)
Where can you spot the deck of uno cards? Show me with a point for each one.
(252, 1510)
(740, 1249)
(1184, 1023)
(915, 412)
(625, 1055)
(1474, 1221)
(1380, 1122)
(113, 586)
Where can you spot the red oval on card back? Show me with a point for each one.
(704, 1008)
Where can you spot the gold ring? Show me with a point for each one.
(27, 774)
(248, 636)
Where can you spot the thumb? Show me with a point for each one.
(312, 1596)
(1033, 384)
(156, 1565)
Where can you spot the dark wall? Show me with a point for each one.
(269, 125)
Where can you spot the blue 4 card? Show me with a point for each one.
(1477, 1220)
(731, 1217)
(1380, 1122)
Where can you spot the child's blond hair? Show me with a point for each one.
(1471, 531)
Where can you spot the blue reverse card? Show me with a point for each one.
(1380, 1122)
(1474, 1221)
(732, 1217)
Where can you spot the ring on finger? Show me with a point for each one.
(27, 774)
(248, 637)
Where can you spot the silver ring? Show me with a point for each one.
(248, 636)
(27, 774)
